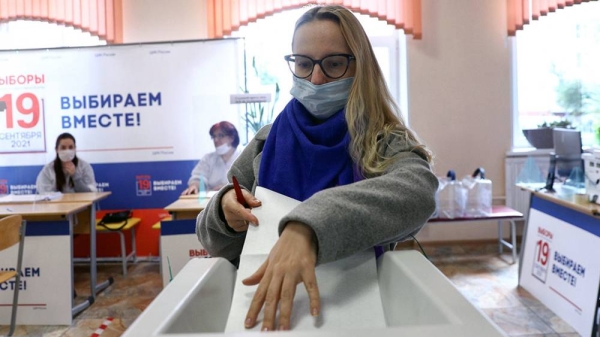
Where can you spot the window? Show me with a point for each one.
(269, 39)
(24, 34)
(558, 73)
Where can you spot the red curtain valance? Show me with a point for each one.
(519, 12)
(103, 18)
(226, 16)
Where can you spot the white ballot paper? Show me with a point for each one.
(348, 288)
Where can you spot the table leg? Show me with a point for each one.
(95, 288)
(93, 251)
(513, 234)
(500, 237)
(76, 309)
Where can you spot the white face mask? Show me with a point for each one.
(222, 149)
(66, 155)
(322, 101)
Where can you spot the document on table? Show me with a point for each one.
(12, 198)
(349, 288)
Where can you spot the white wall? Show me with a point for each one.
(163, 20)
(459, 83)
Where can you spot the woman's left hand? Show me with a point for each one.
(291, 261)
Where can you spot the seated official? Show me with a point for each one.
(67, 173)
(212, 168)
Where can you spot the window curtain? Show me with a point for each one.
(102, 18)
(520, 12)
(226, 16)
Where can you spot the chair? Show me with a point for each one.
(12, 231)
(114, 228)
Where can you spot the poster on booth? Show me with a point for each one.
(560, 265)
(140, 114)
(45, 286)
(178, 244)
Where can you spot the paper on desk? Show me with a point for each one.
(30, 197)
(349, 288)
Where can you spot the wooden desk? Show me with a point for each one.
(585, 207)
(57, 208)
(44, 210)
(559, 262)
(178, 240)
(186, 208)
(50, 252)
(88, 217)
(208, 195)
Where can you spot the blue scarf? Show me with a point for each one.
(303, 156)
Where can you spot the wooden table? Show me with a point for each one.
(499, 214)
(186, 208)
(59, 209)
(52, 211)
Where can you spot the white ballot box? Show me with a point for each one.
(416, 300)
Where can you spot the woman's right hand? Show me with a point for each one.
(236, 215)
(192, 189)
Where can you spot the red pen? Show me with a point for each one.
(238, 192)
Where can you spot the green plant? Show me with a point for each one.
(260, 114)
(573, 96)
(563, 123)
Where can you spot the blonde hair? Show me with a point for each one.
(371, 113)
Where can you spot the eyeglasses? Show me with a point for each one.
(218, 135)
(333, 66)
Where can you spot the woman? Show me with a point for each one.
(67, 173)
(338, 146)
(212, 168)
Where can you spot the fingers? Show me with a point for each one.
(286, 301)
(271, 301)
(250, 199)
(259, 296)
(238, 217)
(310, 283)
(257, 276)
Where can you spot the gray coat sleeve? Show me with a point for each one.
(214, 234)
(380, 210)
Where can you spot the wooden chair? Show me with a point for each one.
(12, 231)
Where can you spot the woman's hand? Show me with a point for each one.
(291, 261)
(69, 168)
(192, 189)
(236, 215)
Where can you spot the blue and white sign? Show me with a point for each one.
(45, 287)
(561, 264)
(140, 114)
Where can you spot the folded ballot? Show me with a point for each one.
(349, 288)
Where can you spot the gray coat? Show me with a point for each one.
(346, 219)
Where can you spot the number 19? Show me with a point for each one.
(33, 110)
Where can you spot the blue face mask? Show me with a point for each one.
(322, 101)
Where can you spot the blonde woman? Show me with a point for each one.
(339, 146)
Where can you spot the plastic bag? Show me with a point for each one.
(451, 197)
(479, 196)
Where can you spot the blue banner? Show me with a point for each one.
(141, 185)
